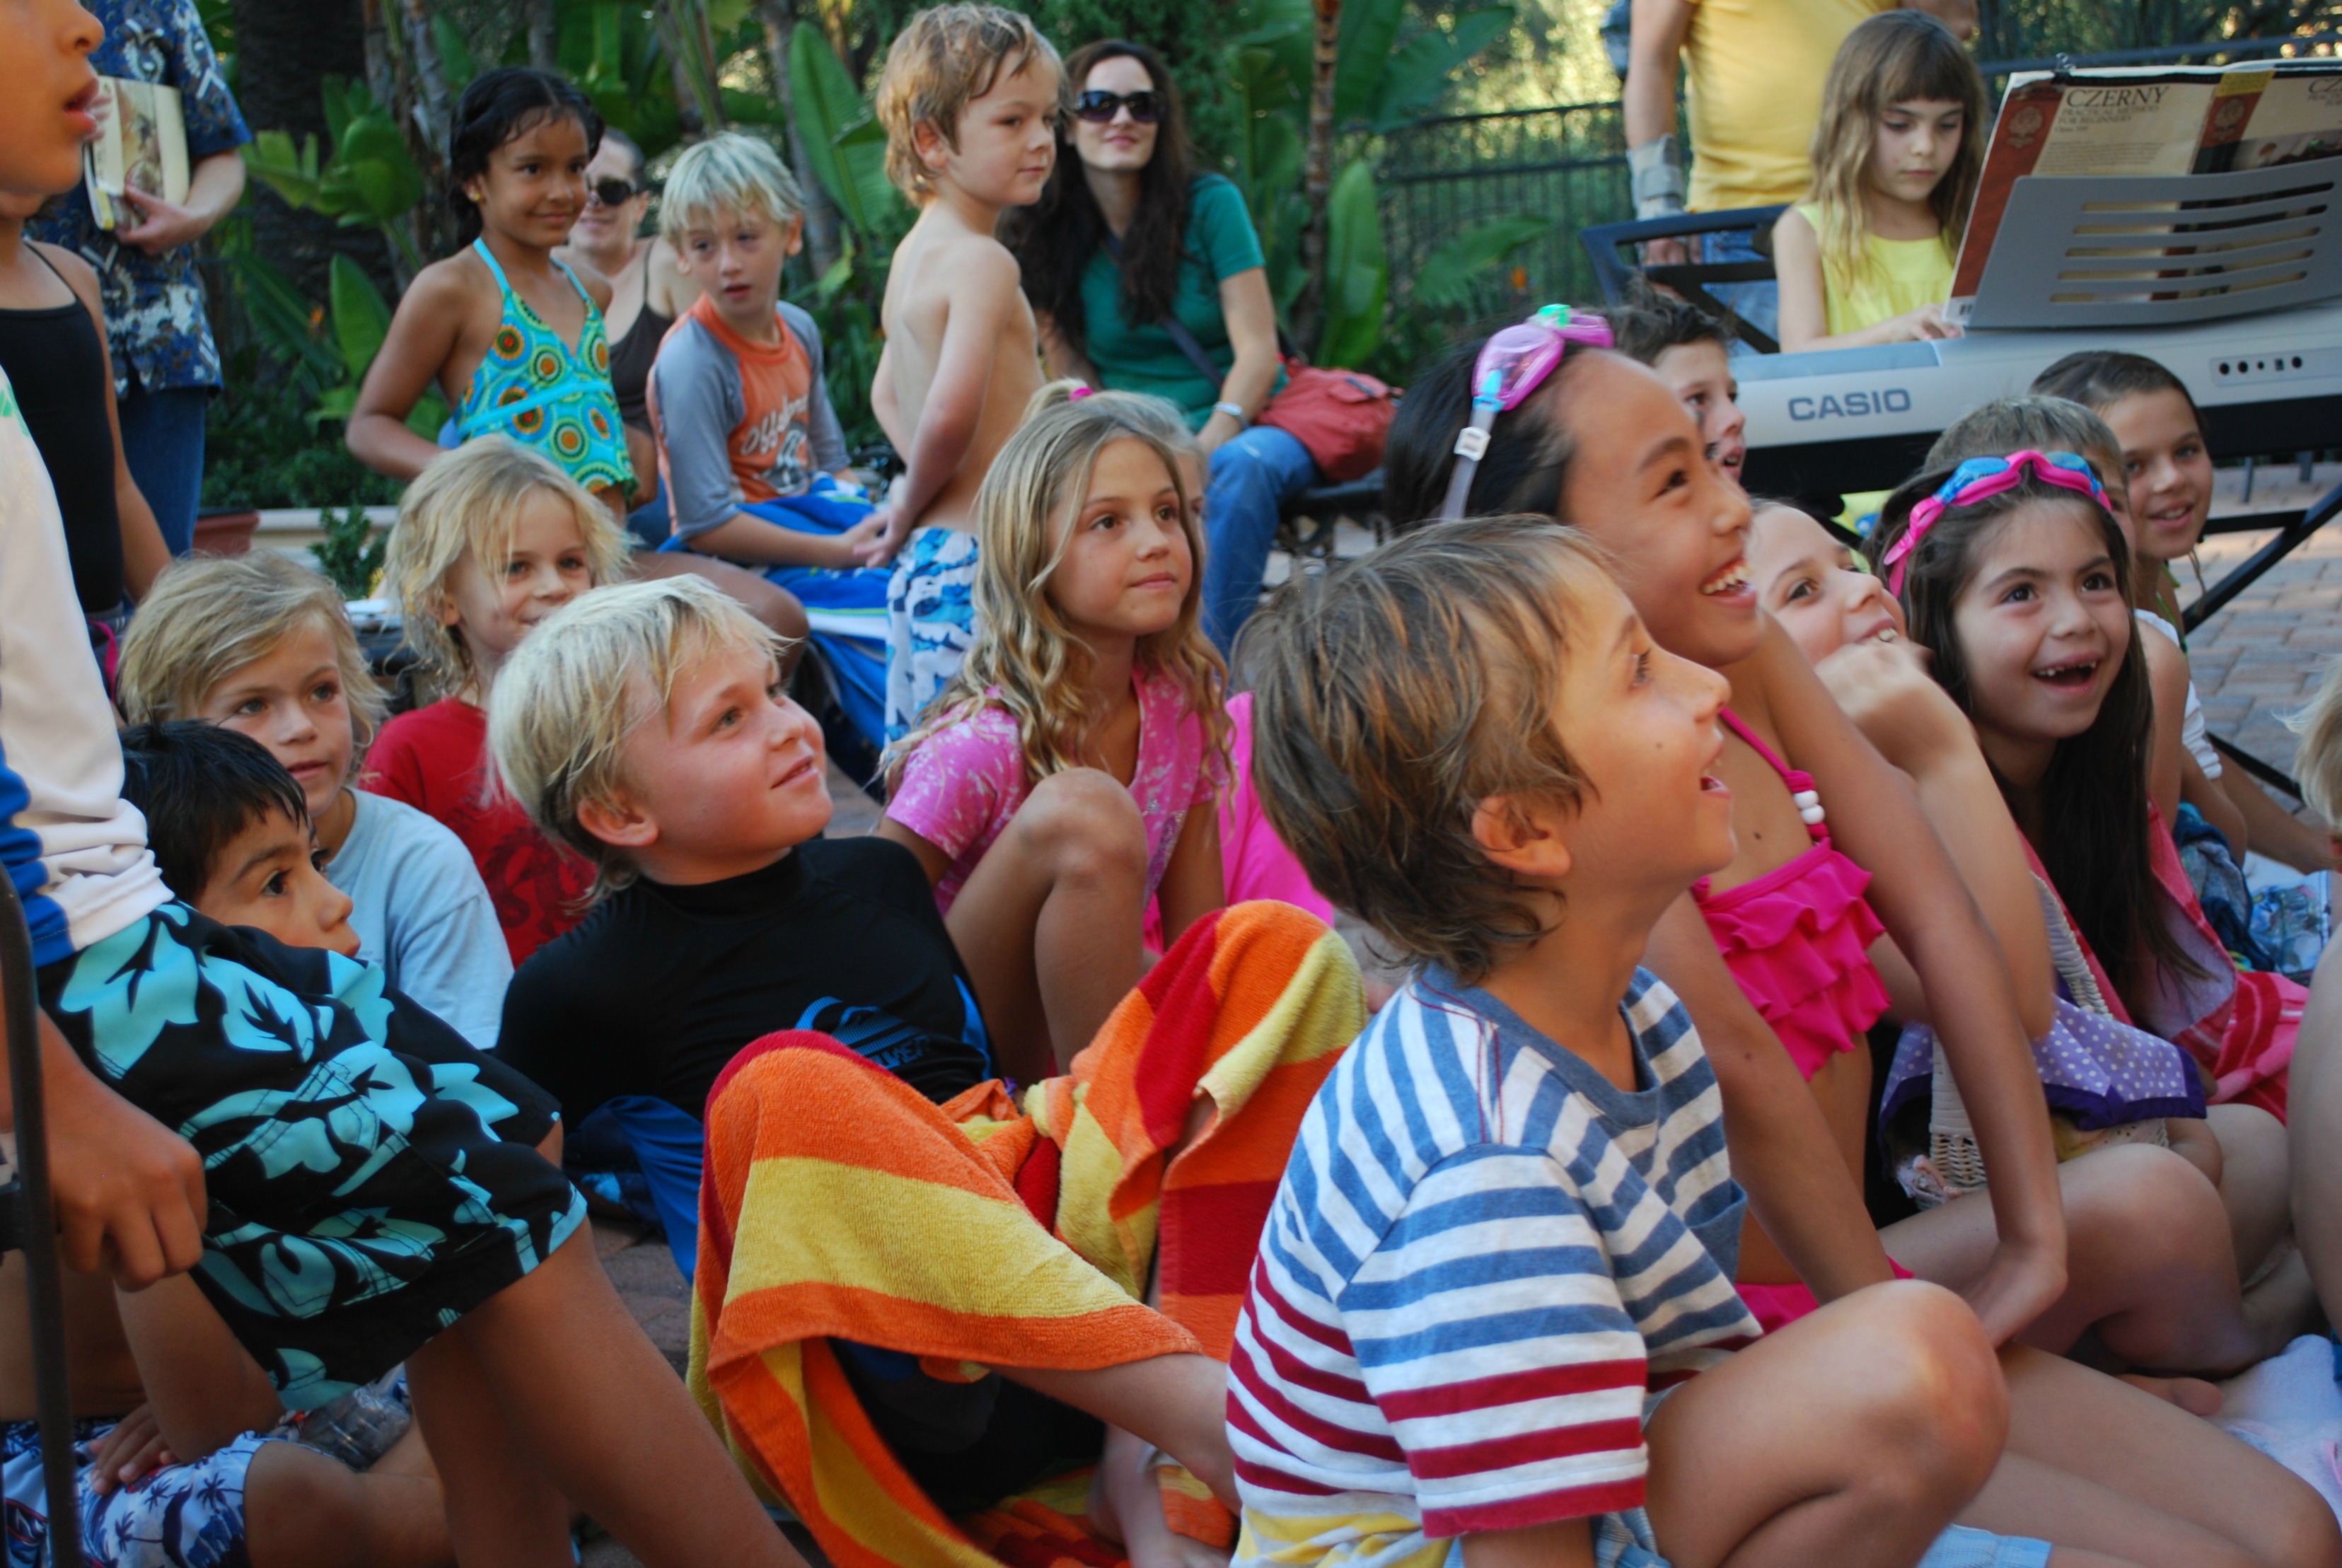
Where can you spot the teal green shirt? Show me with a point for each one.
(1139, 357)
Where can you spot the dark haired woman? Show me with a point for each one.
(512, 334)
(647, 292)
(1147, 277)
(166, 365)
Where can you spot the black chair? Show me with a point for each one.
(1614, 275)
(1306, 525)
(28, 1224)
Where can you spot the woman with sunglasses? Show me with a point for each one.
(647, 290)
(1146, 277)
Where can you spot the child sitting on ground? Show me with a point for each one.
(644, 727)
(750, 449)
(969, 100)
(490, 539)
(260, 645)
(2168, 468)
(1069, 774)
(187, 1452)
(1868, 256)
(1461, 1318)
(2087, 1246)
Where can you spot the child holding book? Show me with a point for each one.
(1868, 256)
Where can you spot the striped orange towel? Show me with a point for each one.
(837, 1202)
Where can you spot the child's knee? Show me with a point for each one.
(1933, 1388)
(1085, 823)
(297, 1501)
(2150, 1206)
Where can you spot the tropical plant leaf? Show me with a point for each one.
(1357, 268)
(361, 319)
(373, 177)
(843, 142)
(455, 62)
(1450, 271)
(1419, 74)
(290, 170)
(1363, 60)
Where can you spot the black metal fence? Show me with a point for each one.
(1441, 177)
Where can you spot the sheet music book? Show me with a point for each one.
(141, 142)
(2147, 120)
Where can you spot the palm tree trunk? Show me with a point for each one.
(1317, 175)
(544, 34)
(780, 20)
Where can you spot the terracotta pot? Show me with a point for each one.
(224, 532)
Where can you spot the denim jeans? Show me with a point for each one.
(1253, 474)
(1757, 304)
(162, 437)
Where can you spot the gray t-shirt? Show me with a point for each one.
(424, 915)
(713, 428)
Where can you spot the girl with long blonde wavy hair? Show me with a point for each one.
(1867, 257)
(1068, 775)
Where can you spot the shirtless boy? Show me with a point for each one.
(969, 100)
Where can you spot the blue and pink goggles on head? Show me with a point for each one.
(1513, 364)
(1980, 479)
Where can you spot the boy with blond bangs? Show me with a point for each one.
(802, 998)
(751, 451)
(969, 101)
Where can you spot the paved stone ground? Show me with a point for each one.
(2261, 657)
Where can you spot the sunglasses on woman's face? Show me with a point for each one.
(613, 193)
(1097, 107)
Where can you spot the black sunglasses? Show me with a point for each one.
(1099, 107)
(613, 193)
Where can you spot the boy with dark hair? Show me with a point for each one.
(361, 1188)
(1692, 352)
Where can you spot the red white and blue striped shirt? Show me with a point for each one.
(1483, 1261)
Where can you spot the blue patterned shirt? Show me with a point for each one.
(154, 320)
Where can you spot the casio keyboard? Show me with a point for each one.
(1851, 419)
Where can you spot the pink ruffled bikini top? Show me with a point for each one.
(1797, 938)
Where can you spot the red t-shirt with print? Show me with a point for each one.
(435, 759)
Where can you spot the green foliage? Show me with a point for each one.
(349, 555)
(1449, 273)
(843, 139)
(370, 177)
(1357, 269)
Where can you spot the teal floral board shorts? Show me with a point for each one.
(372, 1177)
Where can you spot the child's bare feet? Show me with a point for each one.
(2192, 1395)
(1126, 1505)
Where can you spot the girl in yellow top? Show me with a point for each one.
(1868, 256)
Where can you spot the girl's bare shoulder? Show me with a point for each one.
(452, 281)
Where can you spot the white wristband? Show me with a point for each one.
(1233, 410)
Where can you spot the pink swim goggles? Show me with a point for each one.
(1512, 365)
(1980, 479)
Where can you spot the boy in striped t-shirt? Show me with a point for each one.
(1507, 1229)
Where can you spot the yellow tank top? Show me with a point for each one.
(1902, 275)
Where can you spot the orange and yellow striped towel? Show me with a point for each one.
(837, 1202)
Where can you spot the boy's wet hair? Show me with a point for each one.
(596, 668)
(209, 616)
(498, 106)
(2098, 378)
(728, 176)
(198, 786)
(1651, 323)
(948, 56)
(2036, 423)
(1395, 694)
(471, 500)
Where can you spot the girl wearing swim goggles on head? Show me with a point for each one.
(1601, 443)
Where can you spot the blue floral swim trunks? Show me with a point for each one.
(183, 1516)
(372, 1177)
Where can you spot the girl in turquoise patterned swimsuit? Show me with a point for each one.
(511, 335)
